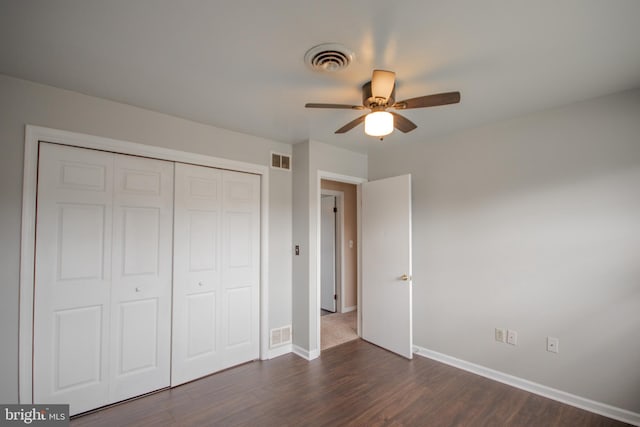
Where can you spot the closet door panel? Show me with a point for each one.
(240, 267)
(140, 343)
(201, 325)
(72, 277)
(216, 271)
(239, 312)
(196, 298)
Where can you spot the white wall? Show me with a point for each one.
(319, 158)
(532, 224)
(23, 102)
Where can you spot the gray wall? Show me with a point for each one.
(313, 157)
(23, 103)
(532, 224)
(300, 291)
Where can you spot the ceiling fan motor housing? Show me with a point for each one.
(369, 101)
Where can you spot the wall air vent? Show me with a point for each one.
(276, 338)
(328, 57)
(280, 336)
(281, 161)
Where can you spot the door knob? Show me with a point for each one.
(405, 278)
(200, 284)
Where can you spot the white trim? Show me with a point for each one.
(359, 273)
(34, 134)
(27, 262)
(348, 309)
(308, 355)
(264, 264)
(279, 351)
(530, 386)
(340, 178)
(315, 311)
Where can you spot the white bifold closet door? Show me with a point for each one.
(216, 271)
(102, 314)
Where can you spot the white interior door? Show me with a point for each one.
(386, 264)
(103, 277)
(216, 271)
(142, 275)
(73, 277)
(328, 253)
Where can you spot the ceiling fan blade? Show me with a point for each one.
(341, 106)
(382, 83)
(403, 124)
(351, 124)
(429, 101)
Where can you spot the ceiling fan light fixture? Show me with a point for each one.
(378, 123)
(377, 96)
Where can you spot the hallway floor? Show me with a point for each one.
(338, 328)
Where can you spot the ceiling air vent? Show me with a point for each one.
(328, 57)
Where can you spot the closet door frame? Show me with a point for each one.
(33, 136)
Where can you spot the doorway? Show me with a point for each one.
(379, 204)
(338, 263)
(329, 251)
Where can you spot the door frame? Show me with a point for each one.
(339, 245)
(316, 310)
(35, 134)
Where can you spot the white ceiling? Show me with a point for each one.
(239, 64)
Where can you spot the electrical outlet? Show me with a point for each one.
(512, 337)
(501, 334)
(553, 344)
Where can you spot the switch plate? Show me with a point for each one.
(501, 334)
(553, 345)
(512, 337)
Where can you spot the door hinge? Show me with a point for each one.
(335, 209)
(335, 297)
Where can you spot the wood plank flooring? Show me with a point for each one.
(353, 384)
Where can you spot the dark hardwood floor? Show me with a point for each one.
(355, 384)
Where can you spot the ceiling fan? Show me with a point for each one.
(378, 95)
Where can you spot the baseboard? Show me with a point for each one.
(539, 389)
(305, 354)
(348, 309)
(279, 351)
